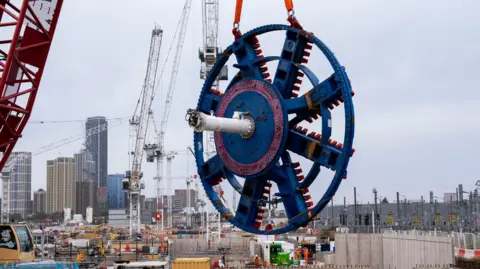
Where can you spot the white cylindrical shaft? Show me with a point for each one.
(206, 122)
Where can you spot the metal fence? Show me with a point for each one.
(466, 240)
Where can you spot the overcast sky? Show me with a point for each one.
(414, 66)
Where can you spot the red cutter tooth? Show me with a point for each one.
(315, 116)
(318, 136)
(298, 128)
(334, 143)
(262, 64)
(260, 56)
(353, 92)
(339, 145)
(268, 184)
(300, 74)
(256, 45)
(329, 141)
(300, 177)
(306, 54)
(265, 197)
(269, 80)
(266, 75)
(261, 211)
(294, 95)
(304, 61)
(295, 165)
(309, 120)
(308, 46)
(258, 51)
(344, 69)
(340, 99)
(336, 103)
(298, 171)
(309, 203)
(307, 197)
(345, 177)
(255, 39)
(304, 130)
(313, 134)
(353, 150)
(330, 106)
(256, 225)
(264, 69)
(305, 190)
(296, 88)
(298, 81)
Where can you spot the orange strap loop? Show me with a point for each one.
(238, 13)
(289, 5)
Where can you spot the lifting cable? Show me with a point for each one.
(238, 13)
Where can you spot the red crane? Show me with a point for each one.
(31, 27)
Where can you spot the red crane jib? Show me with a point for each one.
(22, 61)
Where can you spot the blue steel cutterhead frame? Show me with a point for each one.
(270, 99)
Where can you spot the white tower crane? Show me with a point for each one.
(139, 126)
(157, 150)
(208, 56)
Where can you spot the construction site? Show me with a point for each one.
(243, 156)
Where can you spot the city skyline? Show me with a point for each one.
(402, 129)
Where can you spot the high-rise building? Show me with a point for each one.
(39, 201)
(181, 194)
(84, 166)
(97, 145)
(116, 197)
(86, 196)
(61, 187)
(17, 182)
(86, 182)
(102, 202)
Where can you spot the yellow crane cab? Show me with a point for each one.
(16, 243)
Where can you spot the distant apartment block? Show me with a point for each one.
(84, 166)
(86, 196)
(97, 145)
(116, 195)
(182, 195)
(61, 185)
(39, 201)
(102, 202)
(17, 182)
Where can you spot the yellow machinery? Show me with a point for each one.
(187, 263)
(16, 243)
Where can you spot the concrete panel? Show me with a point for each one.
(352, 249)
(376, 252)
(392, 250)
(364, 249)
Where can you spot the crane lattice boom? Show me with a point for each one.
(139, 126)
(173, 78)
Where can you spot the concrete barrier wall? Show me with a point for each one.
(392, 250)
(359, 249)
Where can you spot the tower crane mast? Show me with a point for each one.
(156, 151)
(208, 56)
(139, 126)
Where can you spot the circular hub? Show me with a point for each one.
(248, 157)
